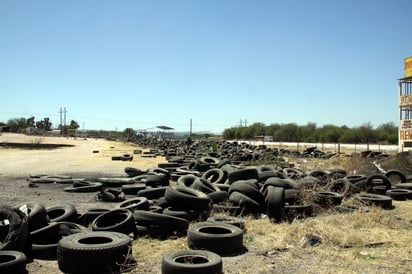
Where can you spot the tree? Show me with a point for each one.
(30, 122)
(44, 124)
(17, 124)
(74, 124)
(129, 133)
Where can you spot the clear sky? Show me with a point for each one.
(140, 64)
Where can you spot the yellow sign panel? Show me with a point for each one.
(408, 66)
(405, 135)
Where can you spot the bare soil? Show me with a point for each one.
(271, 248)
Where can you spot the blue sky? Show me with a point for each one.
(140, 64)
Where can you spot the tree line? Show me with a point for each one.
(386, 133)
(20, 125)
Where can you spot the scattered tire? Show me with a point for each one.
(372, 179)
(215, 176)
(84, 187)
(247, 204)
(59, 213)
(147, 218)
(395, 176)
(399, 194)
(375, 200)
(37, 215)
(139, 203)
(404, 186)
(93, 252)
(152, 193)
(16, 237)
(243, 174)
(44, 240)
(187, 198)
(117, 220)
(12, 262)
(275, 201)
(341, 185)
(191, 261)
(328, 198)
(216, 237)
(298, 211)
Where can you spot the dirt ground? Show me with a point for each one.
(271, 248)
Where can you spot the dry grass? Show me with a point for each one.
(377, 241)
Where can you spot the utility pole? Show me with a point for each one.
(190, 132)
(62, 121)
(61, 124)
(245, 123)
(64, 117)
(241, 124)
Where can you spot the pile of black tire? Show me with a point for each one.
(33, 231)
(183, 197)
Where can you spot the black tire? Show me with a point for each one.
(404, 186)
(298, 211)
(370, 182)
(110, 195)
(179, 213)
(93, 213)
(328, 198)
(215, 176)
(147, 218)
(217, 196)
(132, 189)
(216, 237)
(117, 220)
(115, 182)
(375, 200)
(59, 213)
(187, 198)
(12, 262)
(133, 172)
(154, 180)
(152, 193)
(93, 252)
(292, 173)
(292, 196)
(37, 215)
(16, 237)
(186, 180)
(279, 182)
(44, 240)
(191, 261)
(204, 185)
(399, 194)
(127, 157)
(341, 185)
(396, 176)
(275, 201)
(248, 188)
(139, 203)
(247, 204)
(84, 188)
(243, 174)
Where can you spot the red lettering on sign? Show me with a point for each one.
(405, 135)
